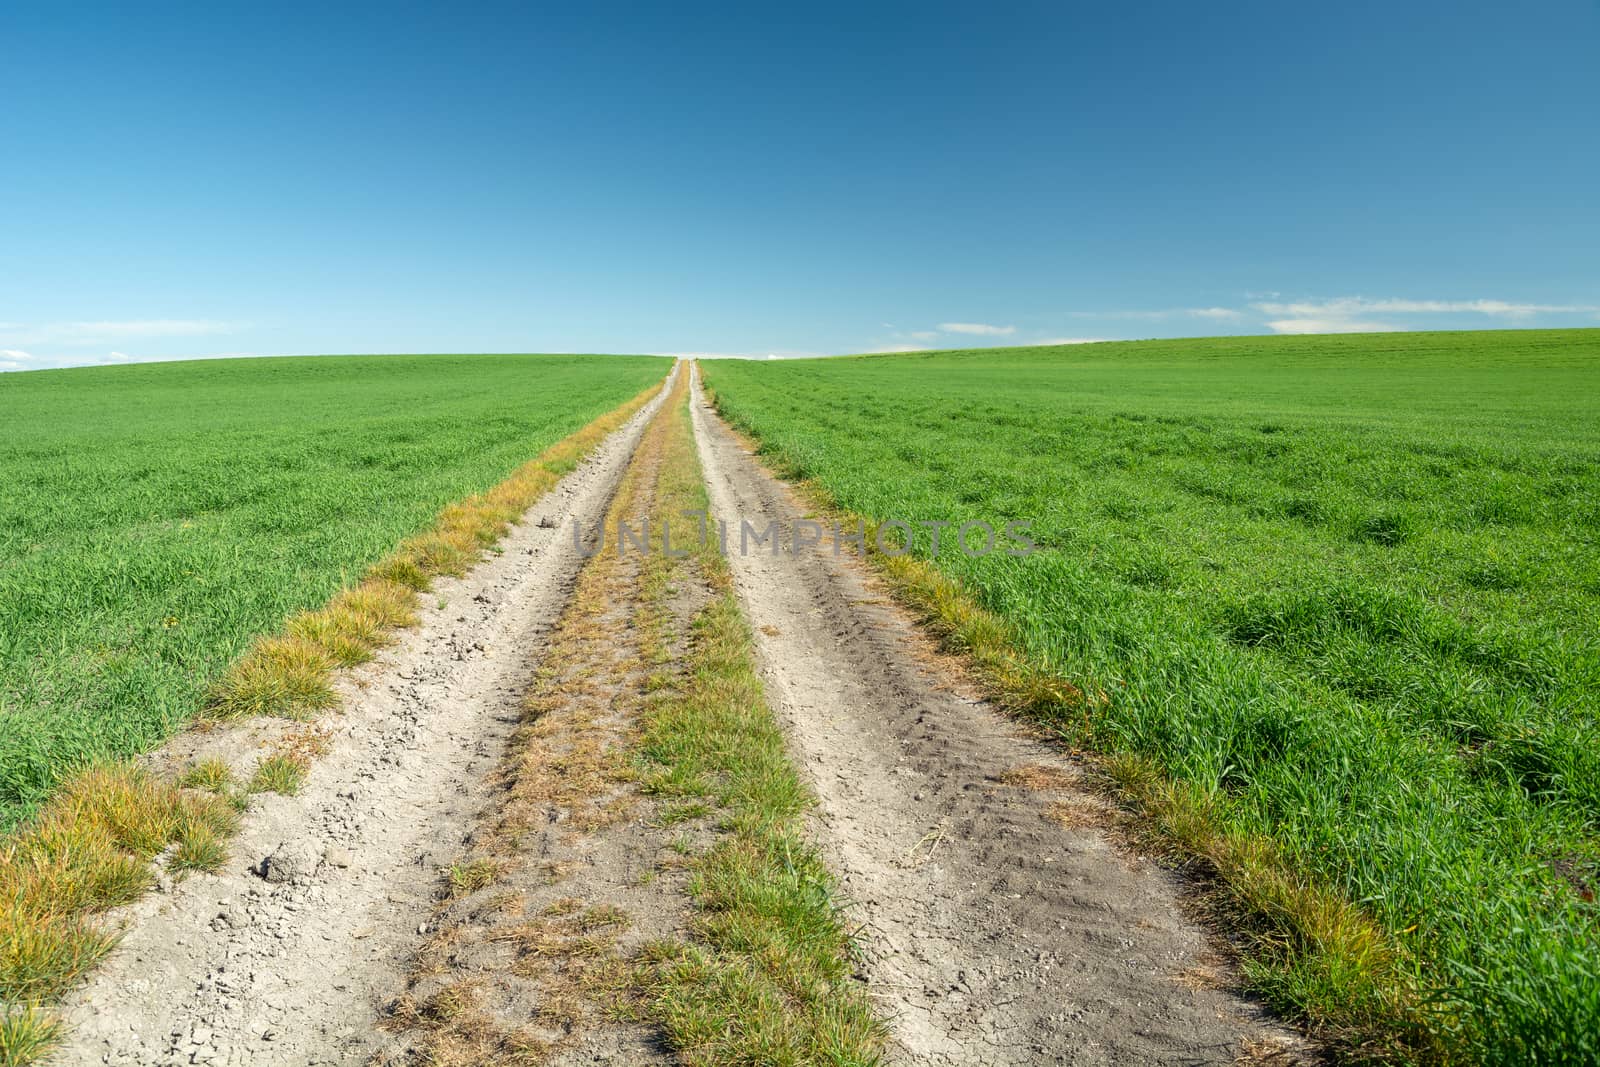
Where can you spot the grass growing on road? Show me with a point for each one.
(158, 518)
(767, 975)
(1328, 603)
(26, 1034)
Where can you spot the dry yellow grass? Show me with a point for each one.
(87, 852)
(286, 676)
(1039, 776)
(279, 773)
(1278, 908)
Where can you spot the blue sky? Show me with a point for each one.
(193, 180)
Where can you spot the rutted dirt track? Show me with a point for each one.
(998, 925)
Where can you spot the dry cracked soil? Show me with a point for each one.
(999, 922)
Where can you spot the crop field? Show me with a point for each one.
(155, 519)
(1329, 601)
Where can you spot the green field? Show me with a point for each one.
(1345, 588)
(156, 518)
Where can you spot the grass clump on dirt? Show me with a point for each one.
(88, 851)
(212, 775)
(26, 1034)
(472, 875)
(766, 976)
(280, 773)
(1326, 604)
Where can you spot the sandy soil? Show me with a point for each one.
(994, 932)
(295, 967)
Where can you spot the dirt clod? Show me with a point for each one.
(290, 862)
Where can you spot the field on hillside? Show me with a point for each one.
(156, 518)
(1343, 589)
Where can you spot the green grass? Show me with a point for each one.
(158, 518)
(1339, 594)
(282, 773)
(26, 1034)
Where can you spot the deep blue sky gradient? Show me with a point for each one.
(188, 179)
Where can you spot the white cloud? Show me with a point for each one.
(1068, 341)
(1330, 325)
(1347, 306)
(1118, 314)
(924, 335)
(1353, 314)
(886, 350)
(740, 355)
(979, 328)
(109, 332)
(1164, 313)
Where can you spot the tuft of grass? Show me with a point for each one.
(138, 811)
(677, 813)
(281, 773)
(343, 641)
(373, 608)
(563, 906)
(211, 774)
(199, 850)
(289, 677)
(203, 827)
(600, 916)
(88, 851)
(402, 571)
(472, 875)
(27, 1033)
